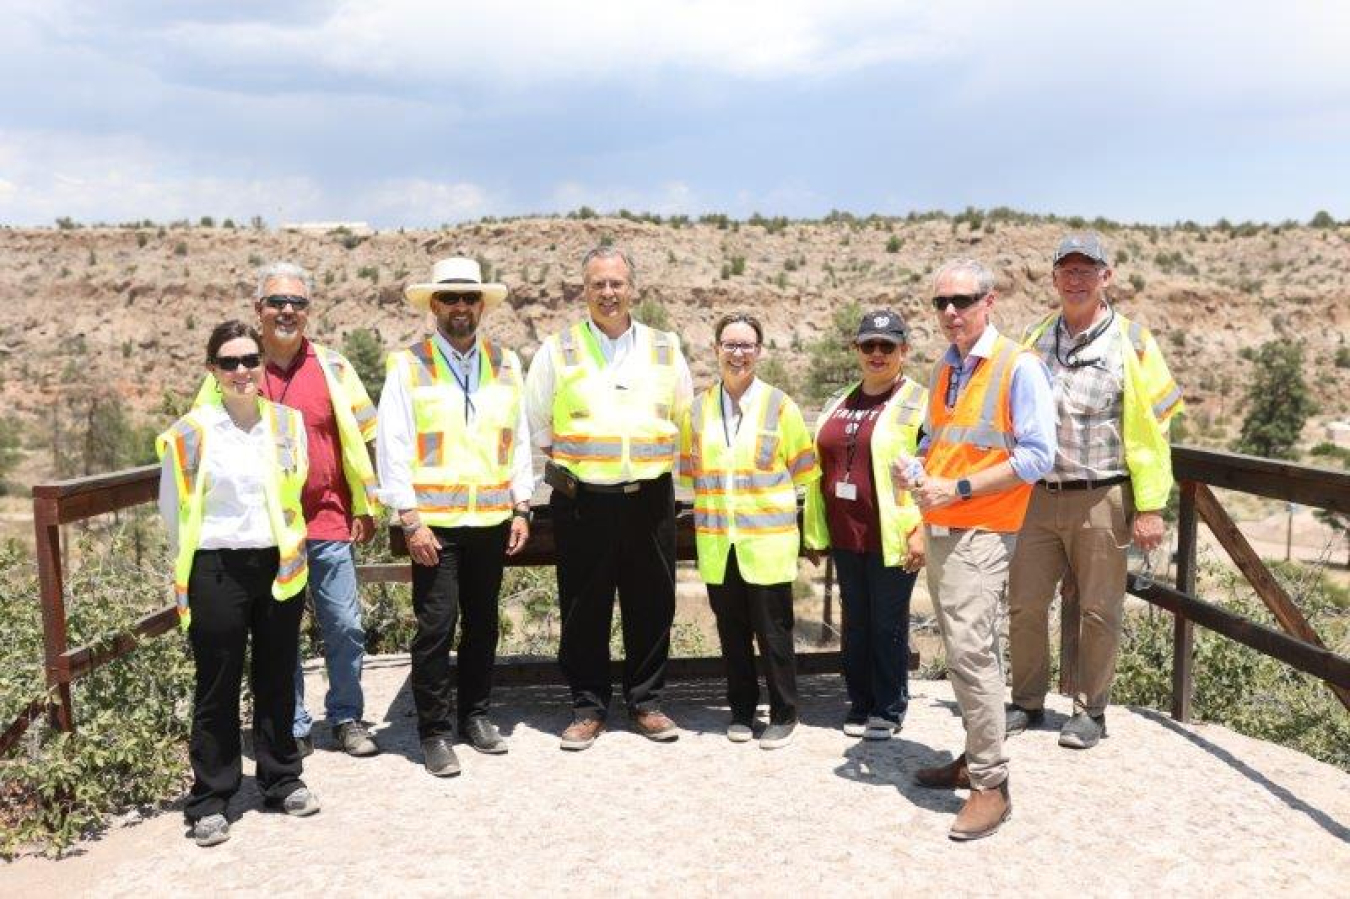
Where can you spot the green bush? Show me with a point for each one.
(1238, 687)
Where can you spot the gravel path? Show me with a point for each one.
(1156, 808)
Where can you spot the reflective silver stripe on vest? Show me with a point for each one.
(430, 444)
(286, 437)
(1172, 397)
(696, 416)
(290, 566)
(803, 463)
(494, 497)
(766, 519)
(577, 449)
(1137, 338)
(715, 521)
(723, 481)
(767, 444)
(192, 449)
(909, 413)
(567, 342)
(425, 371)
(651, 450)
(661, 347)
(980, 435)
(365, 413)
(432, 499)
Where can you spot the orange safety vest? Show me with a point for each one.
(977, 433)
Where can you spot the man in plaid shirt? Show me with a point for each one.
(1114, 398)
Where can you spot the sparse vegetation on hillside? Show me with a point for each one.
(1278, 402)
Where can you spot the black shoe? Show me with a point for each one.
(1017, 719)
(355, 739)
(1083, 731)
(483, 735)
(439, 758)
(305, 745)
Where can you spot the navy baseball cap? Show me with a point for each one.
(882, 324)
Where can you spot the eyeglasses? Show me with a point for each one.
(280, 301)
(731, 347)
(959, 300)
(615, 286)
(454, 299)
(1081, 272)
(868, 347)
(231, 363)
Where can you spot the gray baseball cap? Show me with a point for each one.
(1087, 243)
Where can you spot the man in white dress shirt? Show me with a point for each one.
(454, 457)
(604, 396)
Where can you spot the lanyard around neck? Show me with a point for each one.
(462, 384)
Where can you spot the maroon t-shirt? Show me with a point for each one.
(854, 524)
(326, 499)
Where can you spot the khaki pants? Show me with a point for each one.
(1081, 536)
(967, 572)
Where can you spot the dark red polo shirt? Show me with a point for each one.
(326, 499)
(854, 524)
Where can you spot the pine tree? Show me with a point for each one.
(1278, 402)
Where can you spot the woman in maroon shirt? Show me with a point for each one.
(875, 595)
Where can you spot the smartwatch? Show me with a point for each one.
(963, 488)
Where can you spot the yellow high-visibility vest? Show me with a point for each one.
(461, 469)
(896, 432)
(1151, 398)
(599, 429)
(283, 480)
(745, 494)
(355, 416)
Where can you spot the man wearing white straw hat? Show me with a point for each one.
(454, 456)
(604, 397)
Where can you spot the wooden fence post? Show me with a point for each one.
(1183, 631)
(51, 588)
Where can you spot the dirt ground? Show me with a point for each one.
(1157, 807)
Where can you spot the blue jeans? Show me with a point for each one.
(332, 585)
(876, 634)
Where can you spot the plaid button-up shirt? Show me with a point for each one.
(1087, 374)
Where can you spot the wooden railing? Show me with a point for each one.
(65, 502)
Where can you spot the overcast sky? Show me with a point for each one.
(419, 112)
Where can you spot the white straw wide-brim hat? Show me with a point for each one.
(455, 275)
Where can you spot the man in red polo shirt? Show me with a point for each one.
(338, 499)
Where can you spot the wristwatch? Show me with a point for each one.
(526, 513)
(963, 488)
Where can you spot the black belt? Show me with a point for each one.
(627, 487)
(1060, 486)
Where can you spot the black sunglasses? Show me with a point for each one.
(454, 299)
(279, 301)
(871, 346)
(230, 363)
(959, 300)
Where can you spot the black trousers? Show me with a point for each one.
(608, 542)
(467, 578)
(230, 594)
(746, 613)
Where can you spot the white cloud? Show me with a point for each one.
(420, 202)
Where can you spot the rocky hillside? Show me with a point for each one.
(131, 306)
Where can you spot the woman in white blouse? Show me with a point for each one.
(229, 492)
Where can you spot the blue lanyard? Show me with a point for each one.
(464, 384)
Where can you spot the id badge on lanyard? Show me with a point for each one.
(846, 490)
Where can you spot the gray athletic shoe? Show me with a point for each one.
(1082, 731)
(300, 804)
(211, 830)
(879, 728)
(776, 736)
(355, 740)
(1018, 719)
(740, 732)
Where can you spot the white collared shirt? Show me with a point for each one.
(396, 435)
(733, 411)
(234, 506)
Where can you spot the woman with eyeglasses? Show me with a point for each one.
(745, 449)
(229, 492)
(871, 527)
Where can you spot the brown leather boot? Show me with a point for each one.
(984, 812)
(952, 776)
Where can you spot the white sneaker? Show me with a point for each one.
(879, 729)
(739, 733)
(854, 728)
(211, 830)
